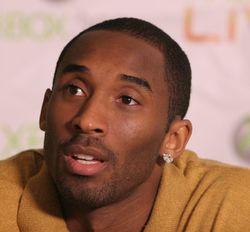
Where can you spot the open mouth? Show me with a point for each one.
(84, 164)
(85, 159)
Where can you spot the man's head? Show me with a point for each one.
(176, 63)
(105, 124)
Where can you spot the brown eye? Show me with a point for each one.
(128, 100)
(75, 90)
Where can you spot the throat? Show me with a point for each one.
(127, 224)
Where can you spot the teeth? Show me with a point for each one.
(86, 162)
(83, 157)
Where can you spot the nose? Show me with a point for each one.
(91, 118)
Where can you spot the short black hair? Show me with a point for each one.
(177, 66)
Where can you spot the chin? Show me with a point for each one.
(80, 193)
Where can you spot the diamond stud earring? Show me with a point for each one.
(168, 158)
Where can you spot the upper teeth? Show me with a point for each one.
(83, 157)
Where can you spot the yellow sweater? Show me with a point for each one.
(195, 195)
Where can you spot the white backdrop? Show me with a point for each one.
(215, 35)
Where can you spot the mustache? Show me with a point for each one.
(85, 140)
(90, 141)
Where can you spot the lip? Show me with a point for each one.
(84, 168)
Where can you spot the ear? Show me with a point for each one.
(177, 137)
(43, 114)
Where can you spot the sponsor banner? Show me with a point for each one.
(214, 34)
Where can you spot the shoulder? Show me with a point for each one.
(215, 181)
(19, 168)
(15, 173)
(218, 192)
(198, 170)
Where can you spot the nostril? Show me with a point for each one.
(87, 126)
(97, 130)
(77, 127)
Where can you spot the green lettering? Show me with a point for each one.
(23, 137)
(38, 25)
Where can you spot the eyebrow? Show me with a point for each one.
(83, 69)
(136, 80)
(75, 68)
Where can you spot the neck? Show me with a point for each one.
(128, 215)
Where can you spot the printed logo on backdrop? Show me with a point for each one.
(242, 139)
(36, 25)
(13, 140)
(231, 19)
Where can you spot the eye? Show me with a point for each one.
(127, 100)
(74, 90)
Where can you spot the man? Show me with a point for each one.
(114, 154)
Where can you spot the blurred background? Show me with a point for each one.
(215, 34)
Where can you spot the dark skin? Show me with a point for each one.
(109, 101)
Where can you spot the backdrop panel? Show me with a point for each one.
(214, 34)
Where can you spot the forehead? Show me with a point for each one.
(117, 52)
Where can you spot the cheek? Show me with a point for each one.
(58, 131)
(58, 120)
(142, 136)
(137, 145)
